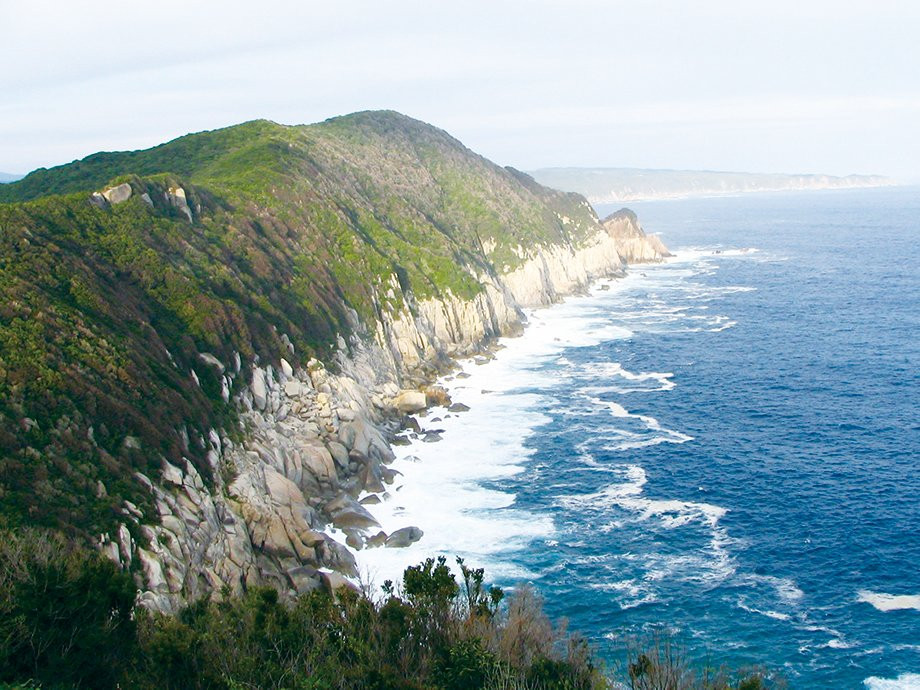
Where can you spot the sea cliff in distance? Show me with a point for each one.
(611, 185)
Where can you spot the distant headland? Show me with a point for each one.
(611, 185)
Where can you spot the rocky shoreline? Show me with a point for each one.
(284, 507)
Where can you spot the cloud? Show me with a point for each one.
(531, 75)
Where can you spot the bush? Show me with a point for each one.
(661, 664)
(67, 619)
(65, 613)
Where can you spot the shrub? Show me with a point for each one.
(65, 612)
(67, 619)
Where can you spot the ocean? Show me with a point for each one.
(725, 446)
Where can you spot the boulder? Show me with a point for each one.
(317, 458)
(293, 389)
(408, 401)
(259, 389)
(354, 517)
(305, 579)
(333, 582)
(176, 197)
(339, 558)
(117, 194)
(270, 536)
(211, 360)
(389, 475)
(458, 407)
(339, 453)
(347, 512)
(378, 539)
(311, 538)
(371, 478)
(354, 538)
(403, 537)
(355, 435)
(437, 396)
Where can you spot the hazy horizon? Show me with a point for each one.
(787, 88)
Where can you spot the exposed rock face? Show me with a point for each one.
(402, 538)
(318, 441)
(118, 194)
(410, 401)
(176, 197)
(633, 244)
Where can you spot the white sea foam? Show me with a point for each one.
(443, 488)
(890, 602)
(643, 381)
(628, 593)
(713, 564)
(652, 433)
(906, 681)
(786, 589)
(775, 615)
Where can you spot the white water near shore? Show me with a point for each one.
(444, 485)
(906, 681)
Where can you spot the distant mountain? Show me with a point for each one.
(611, 185)
(9, 177)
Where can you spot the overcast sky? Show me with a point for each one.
(771, 86)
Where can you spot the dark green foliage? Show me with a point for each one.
(65, 613)
(467, 665)
(67, 619)
(346, 641)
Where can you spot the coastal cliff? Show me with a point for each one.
(208, 345)
(632, 242)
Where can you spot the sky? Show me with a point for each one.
(772, 86)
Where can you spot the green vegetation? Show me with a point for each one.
(67, 620)
(106, 309)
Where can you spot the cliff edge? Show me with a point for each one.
(633, 244)
(206, 346)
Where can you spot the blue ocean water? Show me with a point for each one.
(795, 369)
(727, 444)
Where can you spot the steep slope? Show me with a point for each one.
(633, 245)
(165, 316)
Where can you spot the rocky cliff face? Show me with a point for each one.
(240, 345)
(633, 244)
(285, 511)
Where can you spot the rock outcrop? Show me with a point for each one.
(632, 243)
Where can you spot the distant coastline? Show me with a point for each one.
(615, 185)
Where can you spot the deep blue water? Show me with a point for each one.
(746, 462)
